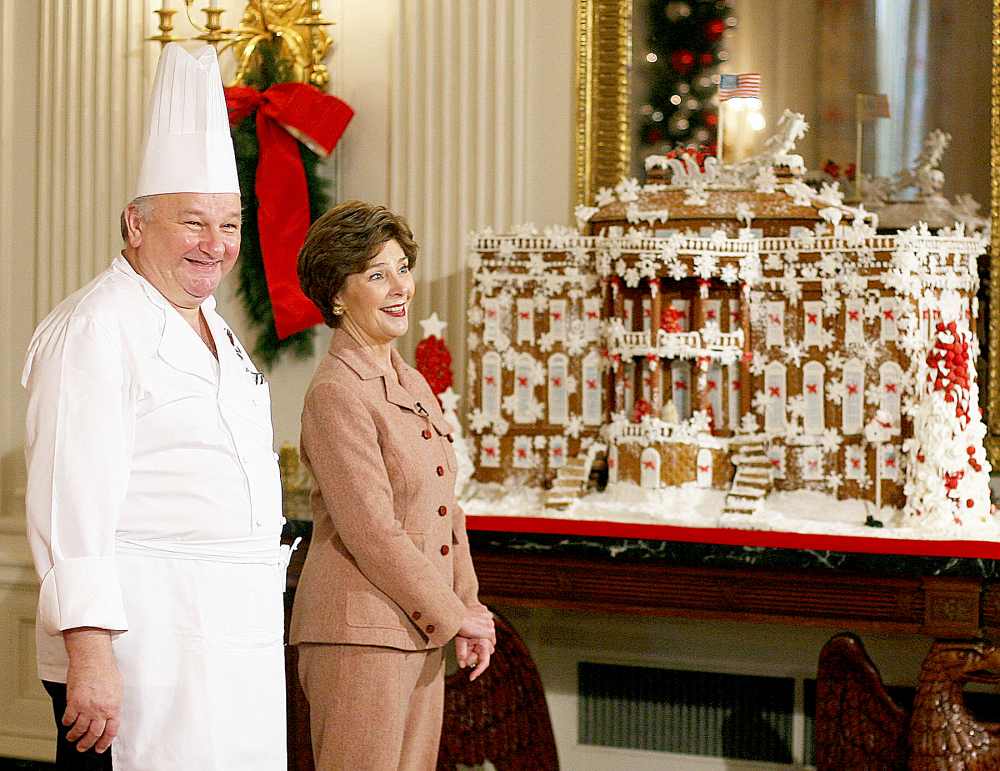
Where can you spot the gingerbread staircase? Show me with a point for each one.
(753, 480)
(571, 480)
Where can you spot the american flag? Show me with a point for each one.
(745, 85)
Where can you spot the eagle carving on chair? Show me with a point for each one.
(860, 728)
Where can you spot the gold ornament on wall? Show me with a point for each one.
(297, 24)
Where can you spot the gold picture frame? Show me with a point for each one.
(993, 320)
(603, 61)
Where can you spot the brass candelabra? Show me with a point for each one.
(297, 24)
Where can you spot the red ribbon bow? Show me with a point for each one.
(286, 114)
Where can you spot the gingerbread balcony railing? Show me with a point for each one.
(722, 346)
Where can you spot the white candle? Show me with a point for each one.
(164, 5)
(213, 3)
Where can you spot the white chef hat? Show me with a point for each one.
(188, 148)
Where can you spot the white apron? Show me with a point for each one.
(204, 659)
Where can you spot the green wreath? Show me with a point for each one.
(269, 69)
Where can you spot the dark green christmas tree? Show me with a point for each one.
(684, 47)
(251, 282)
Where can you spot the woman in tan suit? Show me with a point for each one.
(388, 580)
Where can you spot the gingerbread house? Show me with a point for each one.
(688, 339)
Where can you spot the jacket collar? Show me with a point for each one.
(411, 393)
(123, 266)
(176, 345)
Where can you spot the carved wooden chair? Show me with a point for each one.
(502, 716)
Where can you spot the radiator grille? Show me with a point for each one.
(694, 713)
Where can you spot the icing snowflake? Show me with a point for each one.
(472, 340)
(571, 384)
(758, 363)
(854, 284)
(574, 426)
(647, 266)
(797, 406)
(705, 265)
(791, 287)
(509, 358)
(502, 342)
(834, 481)
(873, 394)
(773, 262)
(831, 440)
(749, 424)
(501, 426)
(793, 352)
(699, 422)
(677, 270)
(631, 277)
(475, 315)
(760, 401)
(604, 197)
(836, 391)
(478, 422)
(835, 361)
(800, 192)
(576, 344)
(830, 262)
(628, 190)
(729, 274)
(539, 442)
(831, 194)
(546, 341)
(766, 180)
(583, 215)
(869, 351)
(744, 213)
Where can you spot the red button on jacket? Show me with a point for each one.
(445, 549)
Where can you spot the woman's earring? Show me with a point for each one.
(338, 310)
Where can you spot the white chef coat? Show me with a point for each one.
(154, 510)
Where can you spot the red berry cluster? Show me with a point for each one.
(972, 458)
(434, 363)
(641, 409)
(670, 319)
(949, 365)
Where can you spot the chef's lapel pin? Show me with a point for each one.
(232, 342)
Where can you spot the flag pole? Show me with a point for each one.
(719, 134)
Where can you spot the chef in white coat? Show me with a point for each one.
(153, 496)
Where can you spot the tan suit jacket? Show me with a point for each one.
(389, 561)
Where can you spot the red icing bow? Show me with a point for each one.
(286, 114)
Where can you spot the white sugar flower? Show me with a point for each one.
(831, 440)
(605, 196)
(478, 421)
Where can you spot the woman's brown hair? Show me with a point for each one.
(341, 242)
